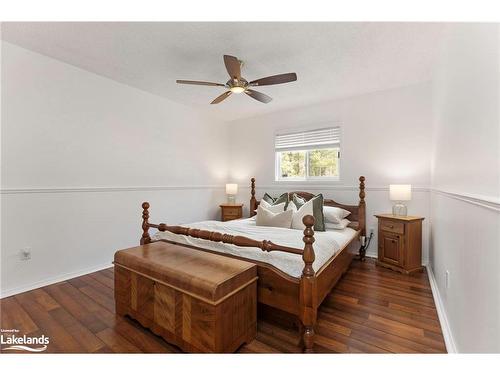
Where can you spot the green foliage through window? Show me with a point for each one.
(293, 164)
(308, 164)
(323, 163)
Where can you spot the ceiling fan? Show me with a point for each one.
(237, 84)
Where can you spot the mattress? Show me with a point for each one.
(326, 244)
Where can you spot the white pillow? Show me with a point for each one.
(276, 208)
(298, 215)
(267, 218)
(342, 225)
(334, 214)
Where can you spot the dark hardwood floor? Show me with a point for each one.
(371, 310)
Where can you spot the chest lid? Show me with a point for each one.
(206, 275)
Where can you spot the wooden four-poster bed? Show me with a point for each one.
(298, 296)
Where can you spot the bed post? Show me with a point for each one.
(308, 292)
(362, 214)
(253, 201)
(145, 224)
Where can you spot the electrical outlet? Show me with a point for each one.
(25, 253)
(447, 279)
(372, 231)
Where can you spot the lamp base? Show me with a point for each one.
(231, 199)
(399, 209)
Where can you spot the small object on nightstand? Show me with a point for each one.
(400, 242)
(231, 211)
(400, 194)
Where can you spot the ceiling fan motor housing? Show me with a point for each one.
(237, 83)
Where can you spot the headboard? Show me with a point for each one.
(358, 212)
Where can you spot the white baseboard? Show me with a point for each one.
(443, 319)
(52, 280)
(371, 254)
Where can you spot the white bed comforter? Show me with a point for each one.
(325, 246)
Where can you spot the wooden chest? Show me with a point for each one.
(199, 301)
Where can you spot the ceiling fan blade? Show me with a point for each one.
(232, 66)
(258, 96)
(275, 80)
(221, 97)
(201, 83)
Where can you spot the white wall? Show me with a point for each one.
(465, 201)
(385, 137)
(80, 153)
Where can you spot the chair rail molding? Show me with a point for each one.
(489, 202)
(105, 189)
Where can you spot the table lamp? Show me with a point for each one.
(399, 194)
(231, 191)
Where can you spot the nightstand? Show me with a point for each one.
(231, 211)
(400, 242)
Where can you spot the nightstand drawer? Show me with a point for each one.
(392, 226)
(232, 211)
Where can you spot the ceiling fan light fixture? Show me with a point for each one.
(237, 89)
(237, 84)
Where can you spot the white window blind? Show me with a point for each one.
(310, 139)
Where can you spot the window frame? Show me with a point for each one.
(306, 178)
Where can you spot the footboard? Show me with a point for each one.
(211, 236)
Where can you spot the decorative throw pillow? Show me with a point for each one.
(299, 201)
(267, 218)
(283, 198)
(317, 204)
(299, 213)
(274, 208)
(342, 225)
(334, 214)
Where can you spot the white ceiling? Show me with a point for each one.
(332, 60)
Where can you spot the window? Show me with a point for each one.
(308, 155)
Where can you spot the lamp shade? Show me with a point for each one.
(231, 189)
(400, 192)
